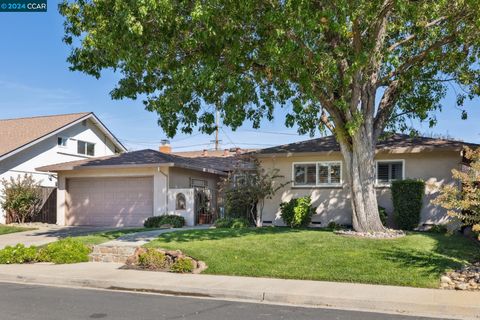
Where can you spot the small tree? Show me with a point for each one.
(21, 197)
(463, 201)
(246, 189)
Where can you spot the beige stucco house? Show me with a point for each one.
(315, 168)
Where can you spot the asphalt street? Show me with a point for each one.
(29, 302)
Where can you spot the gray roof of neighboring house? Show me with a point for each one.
(148, 158)
(22, 132)
(395, 141)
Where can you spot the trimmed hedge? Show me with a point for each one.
(297, 212)
(158, 221)
(407, 198)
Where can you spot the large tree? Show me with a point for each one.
(352, 67)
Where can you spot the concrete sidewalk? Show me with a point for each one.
(373, 298)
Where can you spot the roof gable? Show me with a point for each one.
(17, 134)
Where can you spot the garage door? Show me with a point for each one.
(116, 202)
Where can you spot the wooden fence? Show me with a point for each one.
(48, 213)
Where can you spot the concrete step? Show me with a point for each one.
(117, 254)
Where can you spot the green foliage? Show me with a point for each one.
(297, 212)
(21, 197)
(18, 254)
(68, 250)
(246, 189)
(383, 215)
(332, 225)
(298, 53)
(152, 259)
(235, 223)
(438, 228)
(407, 198)
(182, 265)
(158, 221)
(464, 203)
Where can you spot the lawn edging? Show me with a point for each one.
(372, 298)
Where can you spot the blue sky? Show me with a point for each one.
(35, 80)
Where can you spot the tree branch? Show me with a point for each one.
(385, 108)
(414, 36)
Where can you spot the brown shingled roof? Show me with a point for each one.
(16, 133)
(145, 158)
(392, 142)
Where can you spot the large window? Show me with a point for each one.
(86, 148)
(388, 171)
(317, 174)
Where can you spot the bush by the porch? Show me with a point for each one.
(297, 212)
(407, 202)
(159, 221)
(235, 223)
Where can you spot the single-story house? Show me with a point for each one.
(125, 189)
(315, 167)
(28, 143)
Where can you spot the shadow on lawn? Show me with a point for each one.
(219, 234)
(449, 252)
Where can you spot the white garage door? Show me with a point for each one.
(116, 202)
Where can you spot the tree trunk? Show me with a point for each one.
(359, 156)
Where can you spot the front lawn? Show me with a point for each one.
(104, 236)
(4, 229)
(416, 260)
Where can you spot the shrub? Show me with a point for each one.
(18, 254)
(21, 197)
(240, 223)
(334, 226)
(407, 202)
(438, 228)
(223, 223)
(297, 212)
(383, 215)
(152, 259)
(158, 221)
(67, 250)
(182, 265)
(236, 223)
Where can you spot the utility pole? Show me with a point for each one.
(217, 124)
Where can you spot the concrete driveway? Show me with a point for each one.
(46, 234)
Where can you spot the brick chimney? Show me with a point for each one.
(165, 146)
(226, 153)
(204, 153)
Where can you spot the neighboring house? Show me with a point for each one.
(126, 189)
(28, 143)
(315, 168)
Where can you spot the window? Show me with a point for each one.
(317, 173)
(388, 171)
(62, 142)
(198, 183)
(180, 202)
(86, 148)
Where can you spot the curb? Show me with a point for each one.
(437, 308)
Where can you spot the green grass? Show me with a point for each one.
(104, 236)
(12, 229)
(415, 260)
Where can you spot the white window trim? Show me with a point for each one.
(317, 184)
(388, 184)
(85, 154)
